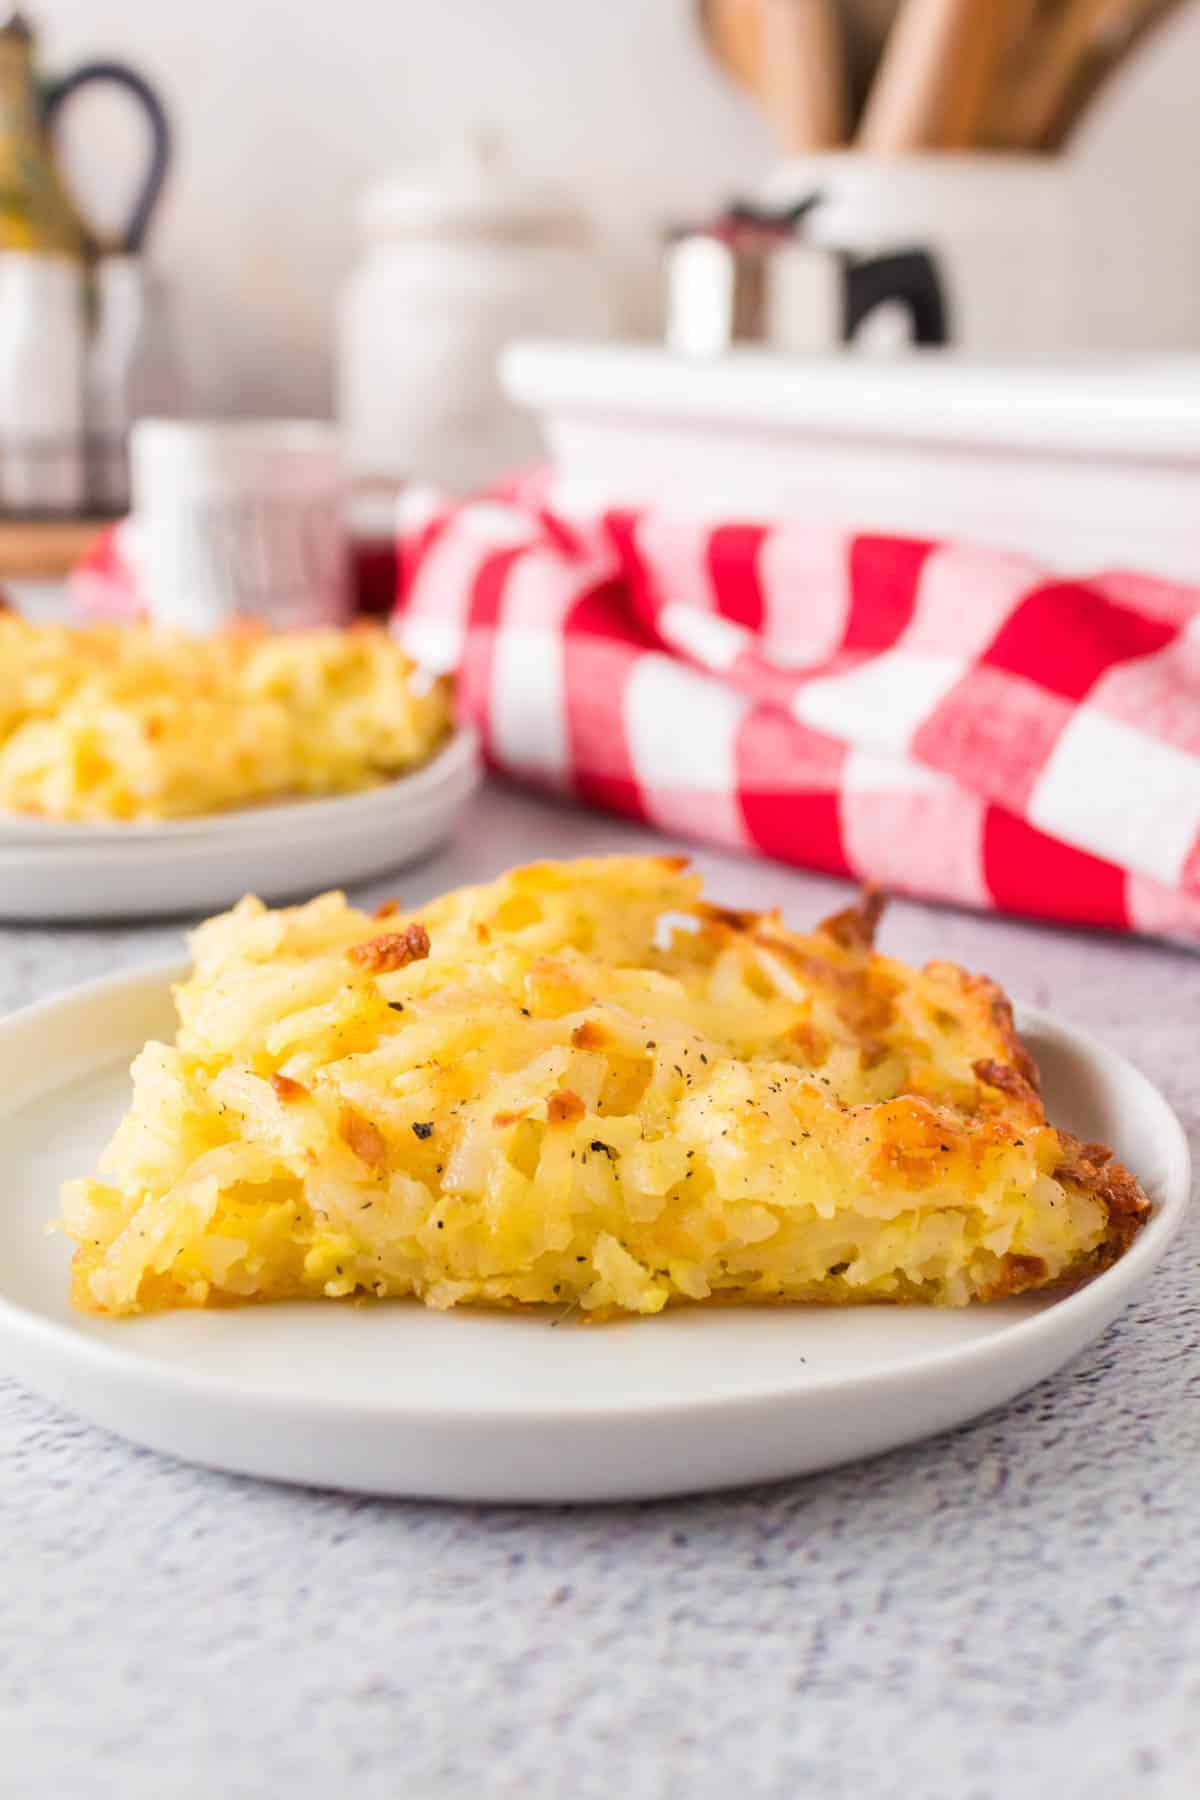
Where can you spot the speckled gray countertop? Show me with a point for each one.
(1013, 1610)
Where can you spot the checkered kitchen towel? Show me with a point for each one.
(936, 719)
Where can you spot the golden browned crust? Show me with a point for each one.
(365, 1139)
(1018, 1274)
(564, 1108)
(864, 985)
(392, 950)
(1094, 1168)
(728, 916)
(814, 1045)
(591, 1035)
(1006, 1078)
(867, 1007)
(287, 1090)
(854, 928)
(989, 1001)
(1002, 1019)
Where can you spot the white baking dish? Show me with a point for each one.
(1084, 463)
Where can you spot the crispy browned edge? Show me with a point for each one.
(391, 950)
(1089, 1166)
(1014, 1073)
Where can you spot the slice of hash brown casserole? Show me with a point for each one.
(137, 722)
(583, 1084)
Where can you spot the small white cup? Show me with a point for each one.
(240, 519)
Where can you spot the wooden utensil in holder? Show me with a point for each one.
(804, 72)
(1070, 55)
(928, 74)
(931, 88)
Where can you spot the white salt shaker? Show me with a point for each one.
(458, 262)
(41, 383)
(132, 372)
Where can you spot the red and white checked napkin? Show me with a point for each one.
(941, 720)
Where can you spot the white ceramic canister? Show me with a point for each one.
(240, 518)
(458, 263)
(41, 383)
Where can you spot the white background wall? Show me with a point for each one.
(284, 108)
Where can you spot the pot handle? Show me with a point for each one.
(908, 276)
(132, 238)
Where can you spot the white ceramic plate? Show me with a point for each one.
(393, 1399)
(59, 872)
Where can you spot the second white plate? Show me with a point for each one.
(57, 874)
(394, 1399)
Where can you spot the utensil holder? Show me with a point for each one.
(1036, 254)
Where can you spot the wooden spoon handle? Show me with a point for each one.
(804, 73)
(1061, 55)
(932, 83)
(1139, 21)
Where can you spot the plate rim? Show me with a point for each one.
(1103, 1295)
